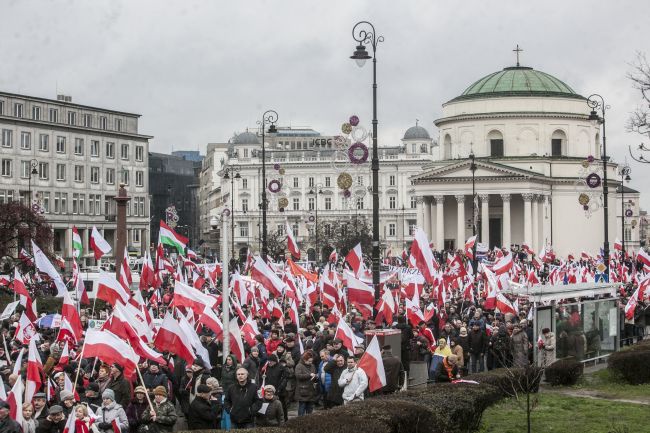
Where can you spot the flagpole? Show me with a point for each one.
(225, 291)
(81, 356)
(137, 368)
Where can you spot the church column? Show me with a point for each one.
(67, 249)
(420, 211)
(440, 221)
(427, 217)
(528, 231)
(432, 211)
(460, 236)
(485, 219)
(546, 222)
(505, 238)
(535, 238)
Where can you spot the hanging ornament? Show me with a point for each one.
(282, 171)
(347, 193)
(283, 202)
(344, 181)
(275, 186)
(359, 133)
(346, 128)
(354, 120)
(358, 153)
(276, 166)
(593, 180)
(583, 199)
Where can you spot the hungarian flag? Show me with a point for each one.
(110, 290)
(168, 236)
(372, 364)
(345, 334)
(171, 338)
(292, 245)
(98, 244)
(109, 348)
(355, 258)
(77, 245)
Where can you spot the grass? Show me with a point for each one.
(559, 413)
(607, 385)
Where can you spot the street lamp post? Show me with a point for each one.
(225, 286)
(34, 170)
(315, 192)
(472, 167)
(364, 33)
(269, 116)
(624, 171)
(232, 173)
(596, 102)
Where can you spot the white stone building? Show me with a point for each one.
(69, 159)
(530, 134)
(306, 159)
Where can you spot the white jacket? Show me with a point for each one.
(355, 382)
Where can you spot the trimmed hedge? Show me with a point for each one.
(564, 372)
(632, 364)
(511, 381)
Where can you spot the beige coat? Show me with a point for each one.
(547, 352)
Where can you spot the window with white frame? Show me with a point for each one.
(72, 118)
(2, 110)
(45, 199)
(60, 144)
(60, 172)
(392, 229)
(75, 200)
(25, 169)
(7, 135)
(43, 170)
(94, 174)
(82, 204)
(414, 202)
(36, 112)
(18, 109)
(244, 205)
(412, 225)
(359, 180)
(25, 140)
(392, 202)
(78, 173)
(139, 153)
(360, 203)
(244, 183)
(110, 176)
(54, 115)
(391, 180)
(124, 151)
(94, 147)
(280, 229)
(311, 182)
(295, 228)
(328, 203)
(311, 203)
(135, 236)
(295, 182)
(328, 181)
(91, 204)
(296, 203)
(243, 229)
(78, 146)
(44, 143)
(141, 206)
(327, 230)
(139, 178)
(88, 120)
(103, 122)
(124, 176)
(110, 150)
(118, 124)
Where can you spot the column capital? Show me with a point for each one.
(484, 197)
(542, 198)
(505, 197)
(440, 199)
(527, 196)
(460, 198)
(419, 199)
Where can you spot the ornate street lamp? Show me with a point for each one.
(623, 171)
(228, 174)
(472, 168)
(269, 116)
(364, 33)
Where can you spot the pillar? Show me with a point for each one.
(506, 236)
(120, 232)
(427, 217)
(535, 210)
(440, 221)
(460, 236)
(67, 249)
(420, 212)
(85, 234)
(546, 221)
(528, 230)
(485, 219)
(434, 217)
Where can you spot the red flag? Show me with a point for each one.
(147, 273)
(360, 295)
(249, 331)
(171, 338)
(34, 371)
(504, 305)
(469, 247)
(423, 256)
(110, 290)
(15, 401)
(69, 311)
(372, 364)
(187, 296)
(125, 272)
(345, 334)
(98, 244)
(111, 350)
(263, 274)
(503, 265)
(292, 245)
(211, 320)
(355, 258)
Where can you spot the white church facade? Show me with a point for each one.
(531, 137)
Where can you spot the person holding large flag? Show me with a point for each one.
(354, 381)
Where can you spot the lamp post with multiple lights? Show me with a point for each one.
(232, 173)
(271, 117)
(623, 171)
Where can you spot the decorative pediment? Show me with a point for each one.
(484, 169)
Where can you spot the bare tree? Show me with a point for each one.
(639, 120)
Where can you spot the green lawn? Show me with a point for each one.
(558, 413)
(605, 385)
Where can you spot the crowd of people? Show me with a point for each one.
(290, 366)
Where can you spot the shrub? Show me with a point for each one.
(511, 381)
(564, 372)
(338, 420)
(632, 365)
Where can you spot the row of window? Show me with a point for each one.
(43, 171)
(327, 201)
(391, 229)
(73, 119)
(311, 181)
(79, 145)
(57, 203)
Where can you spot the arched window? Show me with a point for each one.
(447, 147)
(495, 140)
(558, 143)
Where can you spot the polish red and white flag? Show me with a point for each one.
(360, 295)
(504, 305)
(65, 356)
(111, 349)
(469, 247)
(69, 311)
(187, 296)
(263, 274)
(292, 245)
(504, 265)
(15, 401)
(249, 331)
(125, 272)
(355, 258)
(236, 344)
(98, 244)
(171, 338)
(34, 369)
(345, 334)
(209, 318)
(423, 256)
(147, 273)
(110, 290)
(372, 364)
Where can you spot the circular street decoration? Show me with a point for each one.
(358, 153)
(346, 128)
(281, 171)
(339, 142)
(583, 199)
(283, 202)
(629, 213)
(354, 120)
(311, 219)
(359, 133)
(344, 181)
(585, 207)
(281, 209)
(347, 193)
(585, 164)
(276, 166)
(590, 158)
(633, 223)
(593, 180)
(226, 212)
(274, 186)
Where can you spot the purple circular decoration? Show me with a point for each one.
(353, 151)
(311, 218)
(590, 158)
(276, 166)
(274, 186)
(354, 120)
(281, 209)
(347, 193)
(593, 180)
(629, 213)
(585, 207)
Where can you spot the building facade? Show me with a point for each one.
(174, 191)
(536, 149)
(307, 167)
(67, 160)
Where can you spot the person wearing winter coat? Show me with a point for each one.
(324, 378)
(119, 385)
(205, 410)
(53, 423)
(334, 368)
(29, 423)
(447, 370)
(477, 345)
(275, 374)
(285, 395)
(394, 370)
(354, 381)
(8, 425)
(306, 383)
(272, 415)
(136, 409)
(241, 401)
(228, 372)
(163, 416)
(501, 348)
(519, 347)
(153, 377)
(547, 347)
(252, 364)
(110, 410)
(457, 350)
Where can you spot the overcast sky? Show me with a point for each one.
(198, 71)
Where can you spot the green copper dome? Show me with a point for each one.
(518, 81)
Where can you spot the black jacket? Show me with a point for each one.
(134, 414)
(242, 402)
(477, 342)
(276, 376)
(335, 394)
(203, 414)
(47, 426)
(8, 425)
(122, 389)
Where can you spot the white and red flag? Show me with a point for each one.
(187, 296)
(171, 338)
(346, 335)
(15, 401)
(69, 312)
(423, 256)
(334, 257)
(98, 244)
(372, 364)
(236, 344)
(34, 369)
(469, 247)
(110, 290)
(630, 307)
(355, 258)
(618, 246)
(125, 272)
(413, 311)
(644, 258)
(44, 265)
(504, 265)
(292, 245)
(111, 349)
(263, 274)
(147, 273)
(504, 305)
(360, 295)
(249, 331)
(209, 318)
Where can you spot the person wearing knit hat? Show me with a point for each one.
(160, 390)
(139, 389)
(204, 410)
(67, 401)
(163, 416)
(110, 411)
(108, 394)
